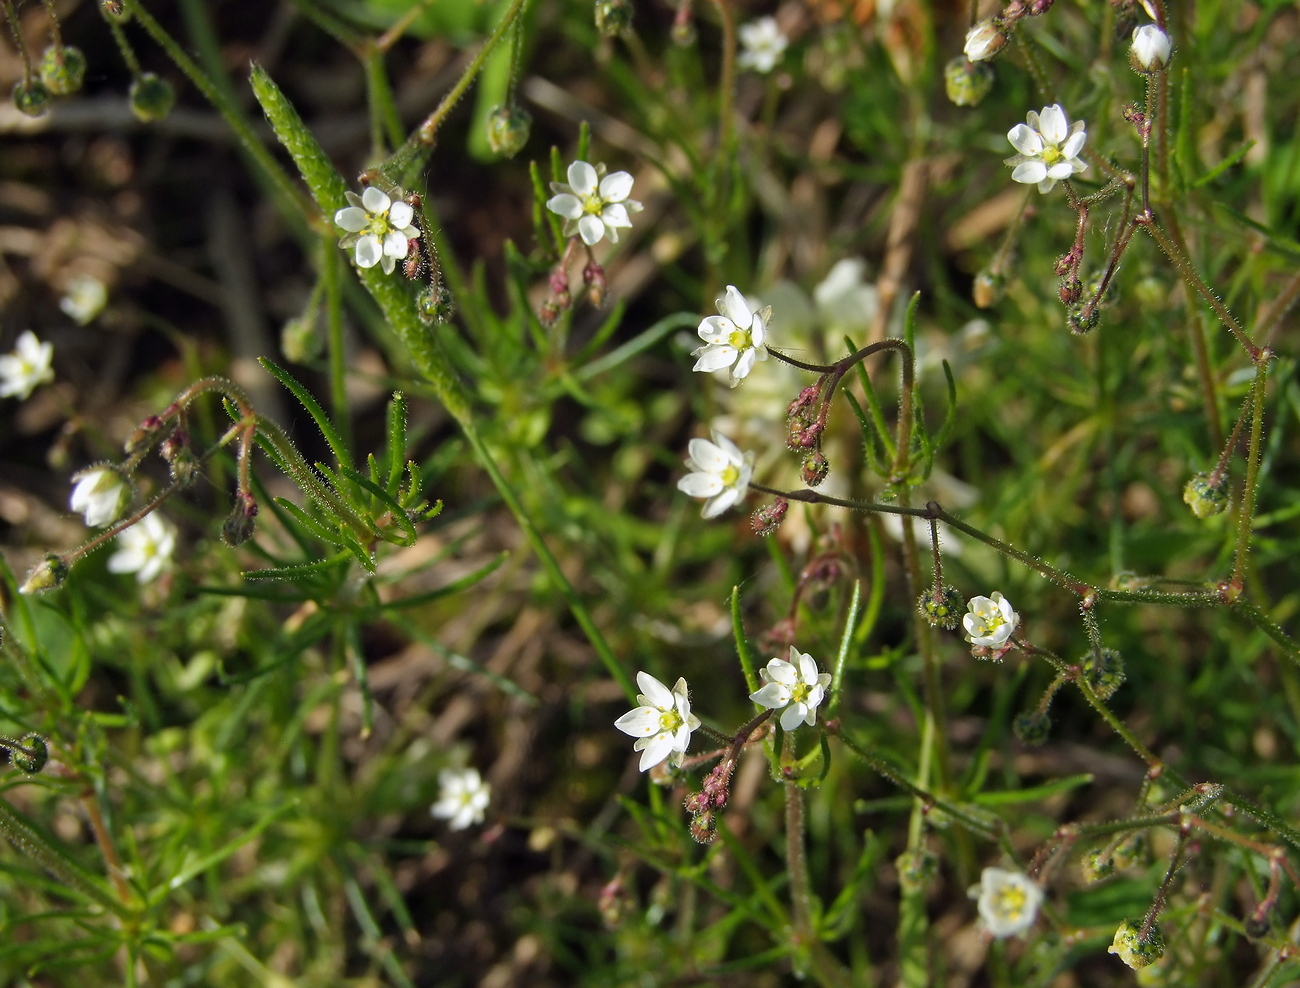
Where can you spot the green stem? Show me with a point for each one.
(1250, 488)
(331, 274)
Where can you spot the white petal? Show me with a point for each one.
(720, 503)
(591, 229)
(639, 723)
(1025, 140)
(757, 330)
(1062, 169)
(1029, 172)
(583, 178)
(793, 716)
(1046, 185)
(773, 696)
(352, 198)
(351, 219)
(615, 215)
(736, 308)
(709, 456)
(716, 329)
(1051, 123)
(714, 357)
(659, 748)
(375, 201)
(568, 206)
(655, 692)
(369, 251)
(1074, 144)
(700, 485)
(729, 449)
(400, 214)
(395, 245)
(388, 262)
(743, 366)
(782, 672)
(807, 669)
(615, 186)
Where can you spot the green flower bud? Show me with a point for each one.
(815, 468)
(1104, 672)
(32, 98)
(435, 306)
(967, 82)
(300, 339)
(63, 69)
(613, 17)
(46, 575)
(507, 129)
(1032, 726)
(916, 869)
(238, 527)
(1096, 865)
(1130, 851)
(1136, 950)
(942, 607)
(151, 97)
(34, 762)
(1206, 495)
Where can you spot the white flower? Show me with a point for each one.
(991, 621)
(99, 494)
(763, 44)
(734, 338)
(984, 40)
(1008, 901)
(85, 299)
(720, 473)
(795, 685)
(662, 724)
(463, 799)
(380, 227)
(593, 204)
(1048, 151)
(145, 548)
(26, 367)
(1151, 47)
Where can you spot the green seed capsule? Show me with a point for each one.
(32, 98)
(63, 69)
(151, 97)
(966, 82)
(507, 129)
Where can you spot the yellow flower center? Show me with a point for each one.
(740, 339)
(1009, 901)
(593, 204)
(1051, 155)
(799, 692)
(730, 475)
(669, 720)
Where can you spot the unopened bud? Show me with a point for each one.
(803, 403)
(613, 17)
(704, 827)
(917, 868)
(32, 98)
(815, 468)
(1202, 797)
(1082, 319)
(238, 528)
(967, 82)
(45, 575)
(151, 97)
(435, 305)
(767, 519)
(115, 9)
(1136, 949)
(63, 69)
(941, 607)
(1206, 494)
(1037, 7)
(593, 276)
(36, 756)
(1070, 291)
(1257, 924)
(989, 289)
(1032, 727)
(802, 436)
(508, 128)
(143, 433)
(300, 338)
(1151, 49)
(1132, 850)
(615, 903)
(984, 40)
(683, 32)
(1104, 672)
(1096, 865)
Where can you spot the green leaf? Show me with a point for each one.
(455, 587)
(1224, 165)
(305, 398)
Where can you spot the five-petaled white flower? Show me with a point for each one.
(1008, 901)
(733, 338)
(85, 299)
(720, 473)
(990, 621)
(592, 203)
(662, 724)
(1151, 48)
(795, 685)
(463, 798)
(763, 45)
(26, 367)
(145, 548)
(379, 227)
(1049, 148)
(99, 495)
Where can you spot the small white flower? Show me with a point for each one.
(1008, 901)
(763, 45)
(1049, 150)
(592, 203)
(720, 473)
(379, 227)
(733, 338)
(795, 685)
(1151, 47)
(85, 299)
(990, 621)
(662, 724)
(100, 494)
(26, 367)
(463, 798)
(984, 40)
(145, 548)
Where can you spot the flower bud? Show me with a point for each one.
(1070, 292)
(683, 32)
(801, 436)
(115, 9)
(435, 306)
(1257, 923)
(300, 339)
(941, 606)
(803, 403)
(1104, 672)
(1096, 865)
(815, 468)
(32, 98)
(1037, 7)
(767, 519)
(613, 17)
(1202, 797)
(151, 97)
(508, 128)
(238, 528)
(1032, 727)
(593, 276)
(704, 827)
(917, 868)
(1206, 494)
(967, 82)
(1132, 850)
(1081, 319)
(63, 69)
(615, 903)
(989, 289)
(39, 754)
(144, 432)
(1136, 949)
(1151, 49)
(984, 40)
(46, 575)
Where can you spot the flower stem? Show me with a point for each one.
(1250, 488)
